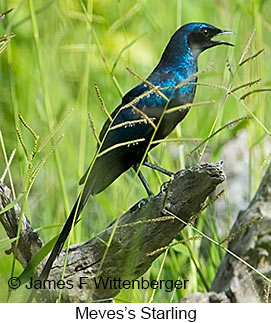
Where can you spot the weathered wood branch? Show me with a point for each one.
(29, 243)
(140, 231)
(253, 245)
(234, 281)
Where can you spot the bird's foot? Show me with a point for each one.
(158, 168)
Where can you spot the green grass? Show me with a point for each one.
(44, 77)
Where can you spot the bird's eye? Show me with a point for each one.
(205, 32)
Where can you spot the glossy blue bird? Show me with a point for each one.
(141, 117)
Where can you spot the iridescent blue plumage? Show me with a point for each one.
(178, 63)
(134, 120)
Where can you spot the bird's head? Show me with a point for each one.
(199, 36)
(192, 39)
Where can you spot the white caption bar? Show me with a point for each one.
(155, 312)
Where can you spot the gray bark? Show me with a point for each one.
(29, 243)
(253, 245)
(140, 231)
(234, 281)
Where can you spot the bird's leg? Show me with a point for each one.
(143, 181)
(158, 168)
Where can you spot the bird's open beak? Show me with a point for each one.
(222, 42)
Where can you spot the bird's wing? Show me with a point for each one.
(117, 152)
(134, 118)
(131, 126)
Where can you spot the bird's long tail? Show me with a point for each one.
(73, 217)
(94, 182)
